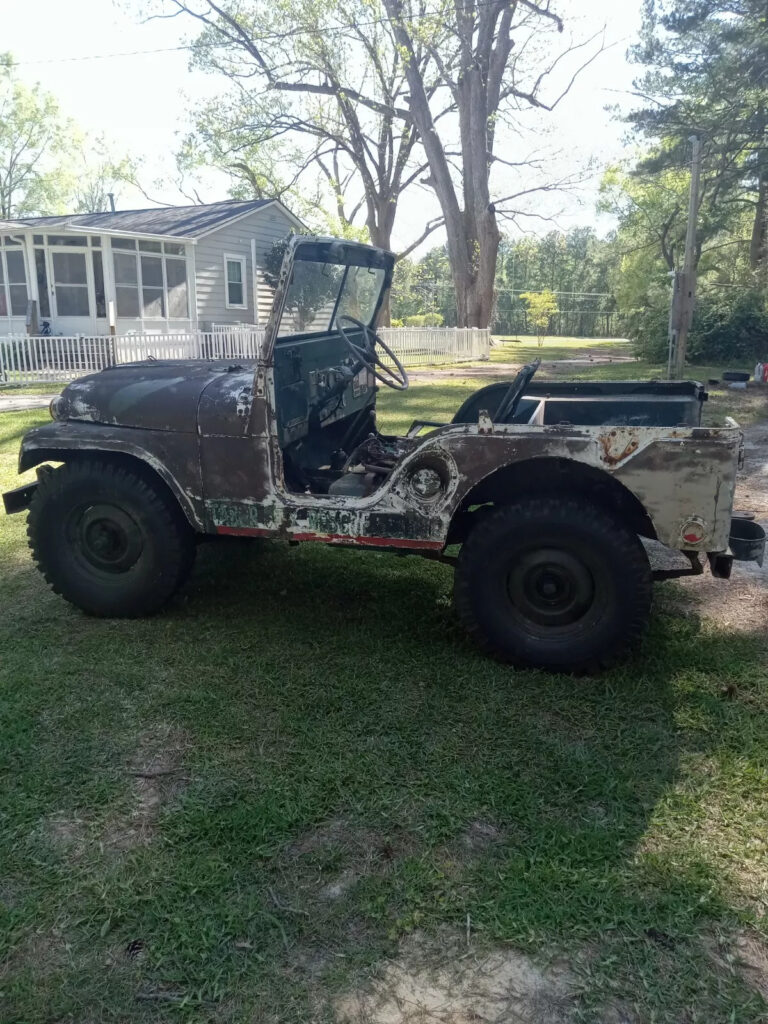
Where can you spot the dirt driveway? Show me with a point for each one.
(424, 375)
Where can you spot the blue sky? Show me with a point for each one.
(141, 102)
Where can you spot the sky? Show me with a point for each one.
(141, 100)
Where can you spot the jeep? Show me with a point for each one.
(545, 497)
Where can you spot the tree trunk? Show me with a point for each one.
(380, 227)
(757, 243)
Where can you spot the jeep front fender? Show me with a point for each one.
(173, 457)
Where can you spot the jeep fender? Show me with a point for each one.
(155, 450)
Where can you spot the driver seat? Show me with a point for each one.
(490, 398)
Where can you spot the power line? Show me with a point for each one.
(98, 56)
(214, 46)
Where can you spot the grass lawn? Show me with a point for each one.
(238, 809)
(521, 348)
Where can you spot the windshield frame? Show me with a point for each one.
(331, 251)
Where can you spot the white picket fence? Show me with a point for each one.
(430, 346)
(55, 360)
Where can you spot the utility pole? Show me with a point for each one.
(684, 286)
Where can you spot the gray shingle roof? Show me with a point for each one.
(176, 221)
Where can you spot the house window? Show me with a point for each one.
(176, 279)
(150, 279)
(13, 279)
(235, 281)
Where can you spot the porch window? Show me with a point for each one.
(235, 281)
(13, 279)
(70, 282)
(98, 284)
(42, 282)
(176, 278)
(152, 290)
(150, 279)
(126, 284)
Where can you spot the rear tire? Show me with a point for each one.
(109, 540)
(553, 583)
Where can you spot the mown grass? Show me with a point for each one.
(320, 717)
(525, 347)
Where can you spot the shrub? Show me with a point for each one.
(396, 321)
(724, 329)
(732, 329)
(424, 320)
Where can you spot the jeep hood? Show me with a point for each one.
(149, 395)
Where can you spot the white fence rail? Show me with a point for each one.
(427, 346)
(56, 360)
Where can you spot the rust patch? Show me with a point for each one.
(609, 457)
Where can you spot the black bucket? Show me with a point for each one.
(747, 540)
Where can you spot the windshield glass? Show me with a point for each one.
(320, 292)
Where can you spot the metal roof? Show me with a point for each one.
(175, 221)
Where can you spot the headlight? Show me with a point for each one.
(55, 407)
(426, 483)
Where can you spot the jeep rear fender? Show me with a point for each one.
(542, 475)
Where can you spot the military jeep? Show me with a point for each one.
(540, 494)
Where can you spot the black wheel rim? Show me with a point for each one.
(551, 588)
(106, 538)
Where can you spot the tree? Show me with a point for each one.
(577, 265)
(708, 76)
(448, 78)
(227, 134)
(313, 59)
(542, 306)
(493, 63)
(99, 175)
(33, 177)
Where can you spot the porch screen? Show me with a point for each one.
(13, 280)
(70, 282)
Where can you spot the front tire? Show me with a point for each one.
(108, 539)
(553, 583)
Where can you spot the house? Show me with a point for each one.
(158, 271)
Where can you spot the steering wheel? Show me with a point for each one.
(511, 400)
(396, 378)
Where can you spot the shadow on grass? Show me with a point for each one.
(339, 725)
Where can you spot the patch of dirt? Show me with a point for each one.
(752, 961)
(479, 835)
(333, 857)
(41, 953)
(157, 778)
(593, 357)
(69, 835)
(443, 981)
(336, 833)
(740, 603)
(340, 885)
(746, 954)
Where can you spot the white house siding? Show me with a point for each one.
(263, 227)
